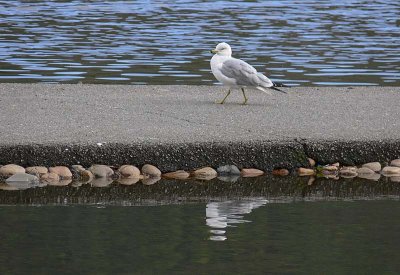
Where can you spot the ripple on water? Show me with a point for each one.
(328, 43)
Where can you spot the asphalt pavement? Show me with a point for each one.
(179, 118)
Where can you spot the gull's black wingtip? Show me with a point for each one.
(278, 84)
(276, 89)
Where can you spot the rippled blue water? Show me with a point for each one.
(167, 42)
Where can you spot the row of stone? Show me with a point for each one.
(125, 173)
(371, 170)
(150, 173)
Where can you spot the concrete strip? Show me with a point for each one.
(180, 127)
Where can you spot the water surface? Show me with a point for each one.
(353, 237)
(168, 42)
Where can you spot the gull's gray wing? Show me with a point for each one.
(244, 73)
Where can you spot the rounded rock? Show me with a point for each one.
(395, 162)
(391, 170)
(374, 166)
(62, 171)
(50, 178)
(179, 175)
(127, 181)
(348, 172)
(395, 179)
(23, 178)
(150, 180)
(64, 182)
(365, 171)
(4, 186)
(305, 172)
(374, 176)
(330, 168)
(78, 168)
(280, 172)
(11, 169)
(129, 171)
(101, 171)
(37, 170)
(206, 173)
(149, 170)
(251, 172)
(86, 175)
(101, 182)
(311, 162)
(228, 170)
(230, 178)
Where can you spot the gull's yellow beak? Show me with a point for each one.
(213, 51)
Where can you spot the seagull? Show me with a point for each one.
(235, 73)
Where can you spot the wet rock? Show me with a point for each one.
(62, 171)
(150, 180)
(36, 170)
(395, 179)
(101, 182)
(391, 170)
(180, 174)
(64, 182)
(348, 172)
(374, 176)
(330, 168)
(311, 180)
(349, 168)
(251, 172)
(128, 181)
(228, 170)
(311, 162)
(129, 171)
(395, 162)
(364, 171)
(280, 172)
(230, 178)
(374, 166)
(331, 176)
(4, 186)
(22, 181)
(11, 169)
(336, 164)
(77, 183)
(349, 176)
(149, 170)
(78, 168)
(328, 172)
(76, 171)
(206, 173)
(305, 172)
(101, 171)
(50, 178)
(86, 176)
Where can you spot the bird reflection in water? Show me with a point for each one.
(220, 215)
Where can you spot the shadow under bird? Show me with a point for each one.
(236, 73)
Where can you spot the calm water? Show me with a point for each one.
(167, 42)
(246, 237)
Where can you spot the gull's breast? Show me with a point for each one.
(216, 65)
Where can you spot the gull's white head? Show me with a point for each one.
(222, 49)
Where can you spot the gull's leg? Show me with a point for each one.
(222, 102)
(245, 98)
